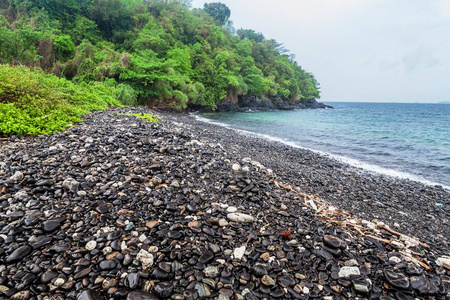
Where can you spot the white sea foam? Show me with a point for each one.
(350, 161)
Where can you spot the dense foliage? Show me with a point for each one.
(36, 103)
(155, 52)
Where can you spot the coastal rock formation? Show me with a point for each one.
(253, 103)
(159, 211)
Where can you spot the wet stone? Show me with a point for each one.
(140, 295)
(133, 280)
(82, 273)
(48, 276)
(163, 289)
(423, 285)
(41, 241)
(396, 279)
(51, 225)
(259, 270)
(206, 257)
(89, 295)
(18, 254)
(108, 264)
(333, 242)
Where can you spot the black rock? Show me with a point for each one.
(41, 241)
(89, 295)
(206, 257)
(18, 254)
(51, 225)
(82, 273)
(133, 280)
(333, 242)
(48, 276)
(108, 264)
(423, 285)
(140, 295)
(396, 279)
(114, 235)
(163, 289)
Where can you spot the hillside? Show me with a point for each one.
(159, 53)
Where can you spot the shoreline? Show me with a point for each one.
(365, 194)
(371, 169)
(119, 208)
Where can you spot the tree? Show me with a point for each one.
(219, 11)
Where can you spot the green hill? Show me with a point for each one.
(159, 53)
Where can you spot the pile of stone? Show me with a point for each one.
(117, 208)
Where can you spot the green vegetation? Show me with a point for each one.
(146, 117)
(140, 52)
(36, 103)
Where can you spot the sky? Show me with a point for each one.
(360, 50)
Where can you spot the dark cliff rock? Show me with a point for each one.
(253, 103)
(313, 104)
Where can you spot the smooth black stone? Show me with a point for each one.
(206, 257)
(28, 278)
(51, 225)
(159, 274)
(397, 280)
(423, 286)
(114, 235)
(323, 254)
(333, 242)
(133, 280)
(33, 218)
(401, 296)
(163, 289)
(372, 259)
(116, 245)
(174, 235)
(413, 270)
(82, 273)
(190, 208)
(140, 295)
(108, 264)
(165, 266)
(60, 248)
(386, 298)
(41, 241)
(278, 293)
(18, 254)
(333, 251)
(48, 276)
(89, 295)
(208, 231)
(121, 293)
(287, 248)
(286, 280)
(103, 208)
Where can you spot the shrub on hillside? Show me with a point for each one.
(33, 103)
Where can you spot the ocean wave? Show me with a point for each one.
(347, 160)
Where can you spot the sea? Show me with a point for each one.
(404, 140)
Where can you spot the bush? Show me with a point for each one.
(33, 103)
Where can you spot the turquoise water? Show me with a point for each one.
(405, 140)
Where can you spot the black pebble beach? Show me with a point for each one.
(118, 208)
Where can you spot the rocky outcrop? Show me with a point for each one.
(253, 103)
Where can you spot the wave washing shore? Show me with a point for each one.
(119, 208)
(405, 140)
(347, 160)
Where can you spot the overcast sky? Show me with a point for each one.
(360, 50)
